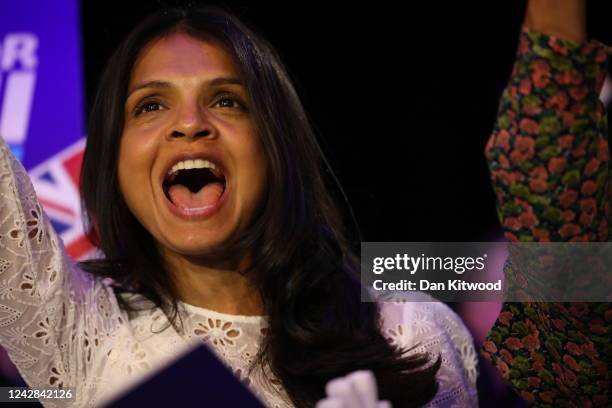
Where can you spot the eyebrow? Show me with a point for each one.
(163, 84)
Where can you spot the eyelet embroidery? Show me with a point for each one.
(65, 328)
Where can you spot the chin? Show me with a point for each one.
(199, 245)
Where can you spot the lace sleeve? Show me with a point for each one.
(436, 329)
(51, 312)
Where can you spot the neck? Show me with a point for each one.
(219, 287)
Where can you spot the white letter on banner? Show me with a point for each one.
(19, 89)
(20, 47)
(16, 106)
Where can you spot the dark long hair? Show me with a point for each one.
(303, 262)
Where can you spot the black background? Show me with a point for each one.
(403, 98)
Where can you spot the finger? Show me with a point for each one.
(364, 383)
(343, 389)
(384, 404)
(331, 402)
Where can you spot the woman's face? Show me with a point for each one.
(191, 166)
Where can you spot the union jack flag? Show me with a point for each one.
(56, 181)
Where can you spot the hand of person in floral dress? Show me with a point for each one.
(564, 19)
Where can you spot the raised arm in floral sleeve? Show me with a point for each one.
(53, 316)
(549, 161)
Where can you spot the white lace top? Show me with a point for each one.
(62, 327)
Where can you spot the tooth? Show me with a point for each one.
(181, 165)
(189, 164)
(217, 173)
(199, 163)
(212, 165)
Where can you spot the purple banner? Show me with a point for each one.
(41, 104)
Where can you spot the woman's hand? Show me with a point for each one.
(565, 19)
(356, 390)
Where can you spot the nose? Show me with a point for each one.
(177, 133)
(192, 122)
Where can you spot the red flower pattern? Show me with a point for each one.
(567, 165)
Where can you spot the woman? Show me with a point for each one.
(205, 189)
(549, 159)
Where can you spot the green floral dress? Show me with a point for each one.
(549, 162)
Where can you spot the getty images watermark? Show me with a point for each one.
(486, 271)
(412, 264)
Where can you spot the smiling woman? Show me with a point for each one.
(173, 103)
(211, 201)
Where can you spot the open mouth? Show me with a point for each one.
(194, 185)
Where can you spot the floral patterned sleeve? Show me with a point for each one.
(53, 316)
(549, 162)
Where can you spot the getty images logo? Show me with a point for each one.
(18, 62)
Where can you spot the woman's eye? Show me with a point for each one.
(148, 107)
(227, 102)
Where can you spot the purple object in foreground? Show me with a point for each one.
(196, 379)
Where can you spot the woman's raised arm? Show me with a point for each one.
(549, 162)
(548, 153)
(49, 309)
